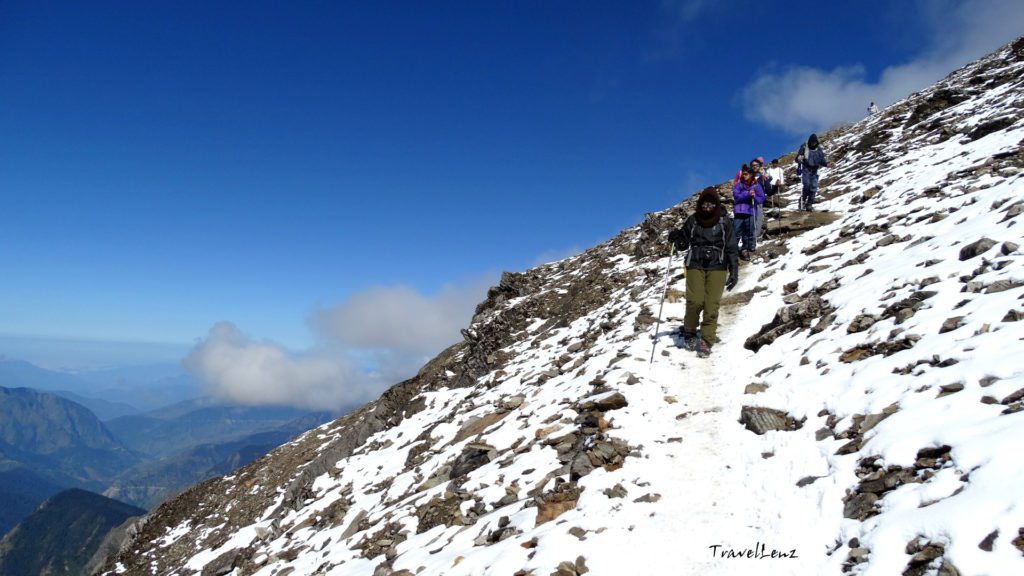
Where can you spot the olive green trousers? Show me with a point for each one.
(704, 294)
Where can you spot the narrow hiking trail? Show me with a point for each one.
(713, 517)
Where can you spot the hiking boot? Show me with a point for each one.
(689, 338)
(745, 255)
(703, 349)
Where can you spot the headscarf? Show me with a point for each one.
(708, 219)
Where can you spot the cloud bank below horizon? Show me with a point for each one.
(366, 343)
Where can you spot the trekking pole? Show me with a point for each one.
(664, 291)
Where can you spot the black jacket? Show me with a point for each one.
(708, 248)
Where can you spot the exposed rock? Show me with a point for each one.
(977, 247)
(606, 402)
(761, 420)
(799, 315)
(473, 456)
(989, 540)
(617, 491)
(755, 388)
(1002, 286)
(948, 389)
(861, 323)
(561, 499)
(860, 506)
(951, 324)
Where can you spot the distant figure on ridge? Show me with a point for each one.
(872, 109)
(746, 195)
(811, 157)
(711, 266)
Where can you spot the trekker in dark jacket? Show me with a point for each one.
(811, 157)
(747, 195)
(711, 265)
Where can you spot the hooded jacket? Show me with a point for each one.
(814, 156)
(710, 245)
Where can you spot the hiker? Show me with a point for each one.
(776, 178)
(708, 238)
(762, 180)
(811, 157)
(872, 109)
(746, 195)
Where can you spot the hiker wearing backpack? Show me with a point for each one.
(712, 265)
(762, 180)
(746, 195)
(811, 157)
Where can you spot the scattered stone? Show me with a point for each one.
(606, 402)
(886, 240)
(755, 388)
(807, 481)
(975, 248)
(1002, 286)
(761, 420)
(789, 318)
(861, 506)
(617, 491)
(986, 544)
(948, 389)
(951, 324)
(1013, 316)
(861, 323)
(473, 456)
(649, 498)
(1009, 248)
(560, 499)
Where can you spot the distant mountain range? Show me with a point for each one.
(48, 443)
(180, 426)
(62, 535)
(111, 392)
(150, 483)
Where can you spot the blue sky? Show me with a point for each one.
(166, 166)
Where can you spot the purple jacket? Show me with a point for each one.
(746, 196)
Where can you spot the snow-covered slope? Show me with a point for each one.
(861, 414)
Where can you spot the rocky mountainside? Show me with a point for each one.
(62, 535)
(59, 435)
(862, 413)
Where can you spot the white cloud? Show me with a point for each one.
(368, 342)
(800, 99)
(237, 369)
(401, 319)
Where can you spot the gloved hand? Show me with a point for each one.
(676, 237)
(731, 282)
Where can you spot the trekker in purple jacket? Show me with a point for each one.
(747, 195)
